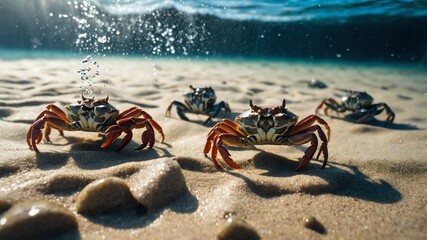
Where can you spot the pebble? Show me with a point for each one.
(36, 220)
(316, 83)
(236, 228)
(158, 184)
(313, 224)
(104, 195)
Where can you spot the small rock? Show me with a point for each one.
(316, 83)
(5, 204)
(313, 224)
(158, 184)
(236, 228)
(104, 195)
(36, 219)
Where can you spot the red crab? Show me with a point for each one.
(268, 125)
(94, 115)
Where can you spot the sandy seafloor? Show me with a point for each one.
(374, 186)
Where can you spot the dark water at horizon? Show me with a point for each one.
(274, 10)
(353, 30)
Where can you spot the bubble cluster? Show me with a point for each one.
(101, 30)
(88, 73)
(152, 32)
(89, 39)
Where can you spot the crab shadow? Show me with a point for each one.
(377, 123)
(345, 180)
(88, 154)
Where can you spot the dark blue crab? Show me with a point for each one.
(360, 104)
(199, 101)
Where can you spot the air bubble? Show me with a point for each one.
(88, 75)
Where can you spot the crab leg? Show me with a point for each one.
(52, 110)
(180, 110)
(154, 124)
(389, 112)
(323, 148)
(125, 140)
(302, 138)
(123, 125)
(209, 141)
(126, 125)
(50, 119)
(308, 122)
(113, 134)
(315, 128)
(30, 131)
(147, 137)
(60, 113)
(330, 104)
(228, 139)
(131, 112)
(212, 136)
(217, 109)
(295, 139)
(136, 112)
(226, 126)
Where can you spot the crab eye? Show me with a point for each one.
(282, 119)
(102, 109)
(283, 116)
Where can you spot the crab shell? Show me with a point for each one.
(93, 115)
(200, 99)
(267, 123)
(356, 100)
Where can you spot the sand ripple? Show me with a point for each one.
(374, 183)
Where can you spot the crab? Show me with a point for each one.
(94, 115)
(360, 104)
(268, 125)
(199, 101)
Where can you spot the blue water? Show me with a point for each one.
(383, 30)
(275, 10)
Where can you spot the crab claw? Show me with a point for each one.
(225, 154)
(48, 120)
(35, 135)
(147, 138)
(126, 125)
(115, 131)
(112, 134)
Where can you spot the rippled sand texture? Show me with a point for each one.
(373, 187)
